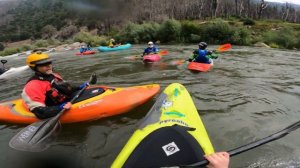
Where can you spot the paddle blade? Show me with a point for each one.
(177, 62)
(93, 79)
(163, 52)
(224, 47)
(3, 61)
(133, 57)
(36, 137)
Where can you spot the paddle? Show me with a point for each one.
(160, 53)
(3, 62)
(163, 52)
(36, 136)
(222, 48)
(254, 144)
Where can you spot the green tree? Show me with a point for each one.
(48, 31)
(170, 31)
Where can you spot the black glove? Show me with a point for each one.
(190, 60)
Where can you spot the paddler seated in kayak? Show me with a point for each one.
(112, 43)
(202, 55)
(218, 160)
(83, 49)
(89, 47)
(46, 93)
(151, 49)
(3, 69)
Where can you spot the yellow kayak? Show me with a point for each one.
(171, 134)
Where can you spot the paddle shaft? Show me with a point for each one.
(71, 101)
(162, 53)
(254, 144)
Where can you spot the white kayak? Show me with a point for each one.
(13, 71)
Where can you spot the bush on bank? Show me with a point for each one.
(218, 31)
(284, 38)
(88, 38)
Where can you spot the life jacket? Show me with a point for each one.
(60, 91)
(112, 43)
(82, 50)
(201, 58)
(150, 50)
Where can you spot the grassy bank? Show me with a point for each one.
(276, 34)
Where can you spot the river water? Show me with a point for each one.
(249, 94)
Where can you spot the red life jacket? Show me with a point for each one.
(43, 89)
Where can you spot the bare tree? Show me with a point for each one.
(262, 6)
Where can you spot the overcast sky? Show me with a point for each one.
(283, 1)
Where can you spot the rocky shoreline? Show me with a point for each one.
(59, 48)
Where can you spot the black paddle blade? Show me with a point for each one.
(3, 61)
(93, 79)
(37, 136)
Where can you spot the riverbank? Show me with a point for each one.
(247, 32)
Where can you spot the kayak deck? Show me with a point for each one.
(172, 120)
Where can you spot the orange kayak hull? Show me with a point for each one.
(112, 102)
(201, 67)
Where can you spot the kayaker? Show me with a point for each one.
(218, 160)
(46, 93)
(112, 43)
(89, 47)
(83, 49)
(151, 49)
(201, 55)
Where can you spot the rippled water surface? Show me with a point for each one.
(249, 94)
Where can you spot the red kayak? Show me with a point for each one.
(195, 66)
(151, 58)
(86, 52)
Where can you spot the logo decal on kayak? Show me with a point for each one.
(176, 92)
(90, 103)
(174, 121)
(170, 148)
(167, 104)
(176, 113)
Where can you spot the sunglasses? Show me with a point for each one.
(45, 64)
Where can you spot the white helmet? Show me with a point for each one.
(150, 43)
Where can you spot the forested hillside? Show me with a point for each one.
(35, 18)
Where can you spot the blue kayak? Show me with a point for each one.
(121, 47)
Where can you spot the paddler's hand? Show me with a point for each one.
(66, 106)
(218, 160)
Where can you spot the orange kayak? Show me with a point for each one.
(96, 102)
(202, 67)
